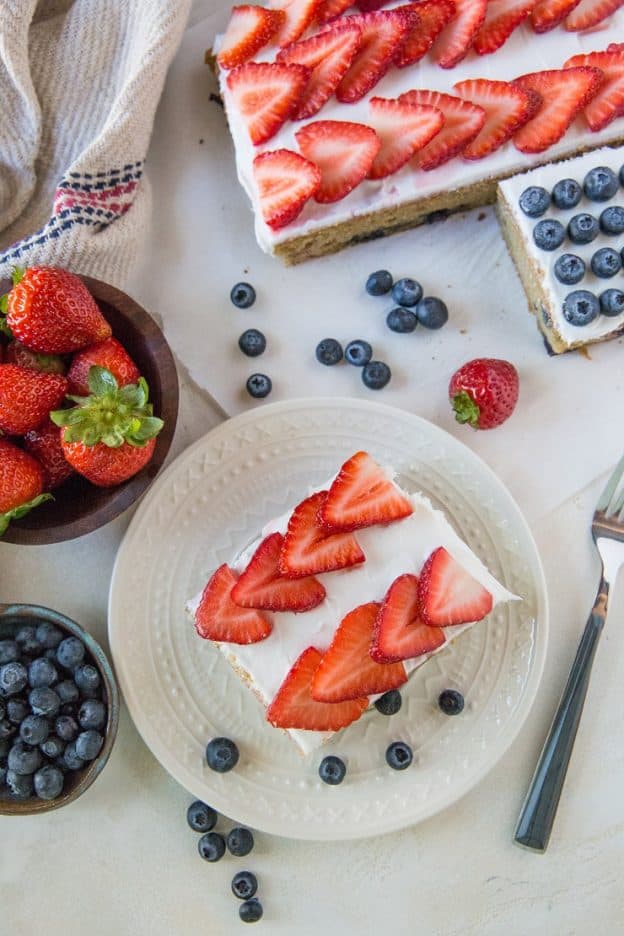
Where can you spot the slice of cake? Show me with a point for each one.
(564, 226)
(349, 125)
(340, 599)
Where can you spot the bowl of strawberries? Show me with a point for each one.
(88, 404)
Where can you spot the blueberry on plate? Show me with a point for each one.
(451, 701)
(399, 755)
(534, 201)
(52, 747)
(201, 817)
(92, 714)
(407, 292)
(34, 729)
(243, 295)
(23, 759)
(549, 234)
(66, 728)
(48, 782)
(89, 744)
(600, 184)
(379, 283)
(389, 703)
(583, 228)
(44, 701)
(211, 846)
(9, 651)
(221, 754)
(240, 842)
(332, 770)
(17, 710)
(41, 672)
(13, 678)
(329, 352)
(432, 312)
(569, 269)
(252, 342)
(375, 375)
(67, 691)
(401, 320)
(358, 353)
(259, 386)
(87, 679)
(580, 307)
(70, 653)
(244, 885)
(250, 911)
(612, 302)
(48, 635)
(566, 194)
(606, 262)
(20, 786)
(70, 759)
(612, 220)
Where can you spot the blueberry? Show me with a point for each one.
(612, 302)
(379, 283)
(20, 786)
(70, 653)
(569, 269)
(399, 755)
(41, 672)
(2, 710)
(201, 817)
(34, 729)
(243, 295)
(7, 728)
(566, 193)
(87, 679)
(3, 773)
(52, 747)
(375, 375)
(23, 759)
(240, 842)
(358, 353)
(67, 691)
(329, 352)
(221, 754)
(48, 635)
(244, 885)
(451, 701)
(332, 770)
(44, 701)
(250, 911)
(534, 201)
(66, 728)
(92, 714)
(606, 262)
(401, 320)
(211, 846)
(5, 746)
(580, 307)
(432, 312)
(17, 710)
(600, 184)
(549, 234)
(9, 651)
(89, 744)
(13, 678)
(612, 220)
(389, 703)
(26, 637)
(583, 228)
(259, 386)
(407, 292)
(48, 782)
(70, 759)
(252, 342)
(50, 654)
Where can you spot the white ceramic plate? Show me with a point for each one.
(181, 691)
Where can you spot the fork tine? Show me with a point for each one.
(607, 495)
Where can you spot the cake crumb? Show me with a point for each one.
(201, 140)
(210, 59)
(585, 352)
(216, 99)
(463, 331)
(481, 216)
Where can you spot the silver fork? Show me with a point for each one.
(540, 807)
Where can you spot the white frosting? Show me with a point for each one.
(544, 260)
(392, 550)
(524, 51)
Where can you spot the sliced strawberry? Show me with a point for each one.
(501, 19)
(218, 618)
(344, 153)
(330, 9)
(347, 670)
(448, 594)
(308, 548)
(383, 33)
(403, 129)
(549, 13)
(285, 182)
(399, 632)
(328, 55)
(462, 123)
(608, 102)
(564, 93)
(266, 94)
(369, 6)
(591, 12)
(361, 496)
(507, 108)
(431, 16)
(262, 586)
(299, 15)
(456, 39)
(249, 30)
(294, 707)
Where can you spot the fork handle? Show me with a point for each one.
(540, 807)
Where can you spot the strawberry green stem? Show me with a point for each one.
(465, 408)
(17, 512)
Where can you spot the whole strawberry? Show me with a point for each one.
(484, 392)
(109, 354)
(21, 483)
(44, 444)
(16, 353)
(51, 311)
(110, 434)
(26, 397)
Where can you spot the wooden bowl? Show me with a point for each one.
(78, 506)
(11, 618)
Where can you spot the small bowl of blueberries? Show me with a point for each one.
(59, 710)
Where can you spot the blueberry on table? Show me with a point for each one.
(612, 220)
(20, 786)
(211, 846)
(92, 714)
(606, 262)
(17, 710)
(87, 679)
(70, 759)
(375, 375)
(70, 653)
(399, 755)
(389, 703)
(244, 885)
(401, 320)
(534, 201)
(41, 672)
(23, 759)
(67, 691)
(259, 386)
(250, 911)
(580, 307)
(407, 292)
(566, 194)
(569, 269)
(34, 729)
(583, 228)
(252, 342)
(66, 727)
(612, 302)
(432, 312)
(243, 295)
(201, 817)
(89, 744)
(13, 678)
(451, 701)
(358, 352)
(9, 651)
(379, 283)
(48, 635)
(44, 701)
(221, 754)
(48, 782)
(600, 184)
(240, 842)
(329, 352)
(549, 234)
(52, 747)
